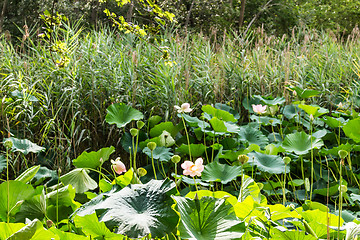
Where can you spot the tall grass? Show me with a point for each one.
(106, 66)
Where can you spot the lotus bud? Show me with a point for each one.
(141, 172)
(343, 154)
(311, 117)
(175, 158)
(8, 144)
(343, 188)
(140, 124)
(260, 185)
(151, 146)
(286, 160)
(243, 159)
(134, 132)
(292, 206)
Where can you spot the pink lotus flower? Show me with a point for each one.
(259, 109)
(193, 169)
(118, 166)
(185, 108)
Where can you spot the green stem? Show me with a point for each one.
(340, 195)
(187, 135)
(8, 185)
(312, 162)
(195, 185)
(153, 165)
(283, 188)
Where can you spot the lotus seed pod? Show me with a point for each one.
(175, 158)
(151, 146)
(286, 160)
(343, 189)
(243, 159)
(343, 154)
(140, 124)
(141, 172)
(134, 132)
(8, 144)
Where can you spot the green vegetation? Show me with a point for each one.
(243, 130)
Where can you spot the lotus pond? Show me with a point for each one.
(290, 172)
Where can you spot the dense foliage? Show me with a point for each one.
(277, 16)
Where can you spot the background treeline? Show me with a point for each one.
(277, 16)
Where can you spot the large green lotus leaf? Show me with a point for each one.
(291, 235)
(217, 194)
(93, 159)
(63, 196)
(318, 222)
(300, 143)
(32, 208)
(194, 121)
(252, 135)
(267, 163)
(43, 174)
(313, 110)
(34, 231)
(7, 229)
(137, 210)
(352, 129)
(121, 114)
(164, 126)
(217, 172)
(305, 93)
(28, 174)
(18, 192)
(218, 125)
(208, 218)
(2, 162)
(24, 146)
(249, 188)
(335, 150)
(66, 235)
(292, 111)
(220, 114)
(161, 153)
(333, 122)
(91, 226)
(79, 179)
(197, 150)
(227, 108)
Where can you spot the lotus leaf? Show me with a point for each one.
(208, 218)
(352, 129)
(121, 114)
(93, 159)
(164, 126)
(217, 172)
(218, 113)
(300, 143)
(268, 163)
(18, 192)
(91, 226)
(79, 179)
(24, 146)
(137, 210)
(161, 153)
(252, 135)
(197, 150)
